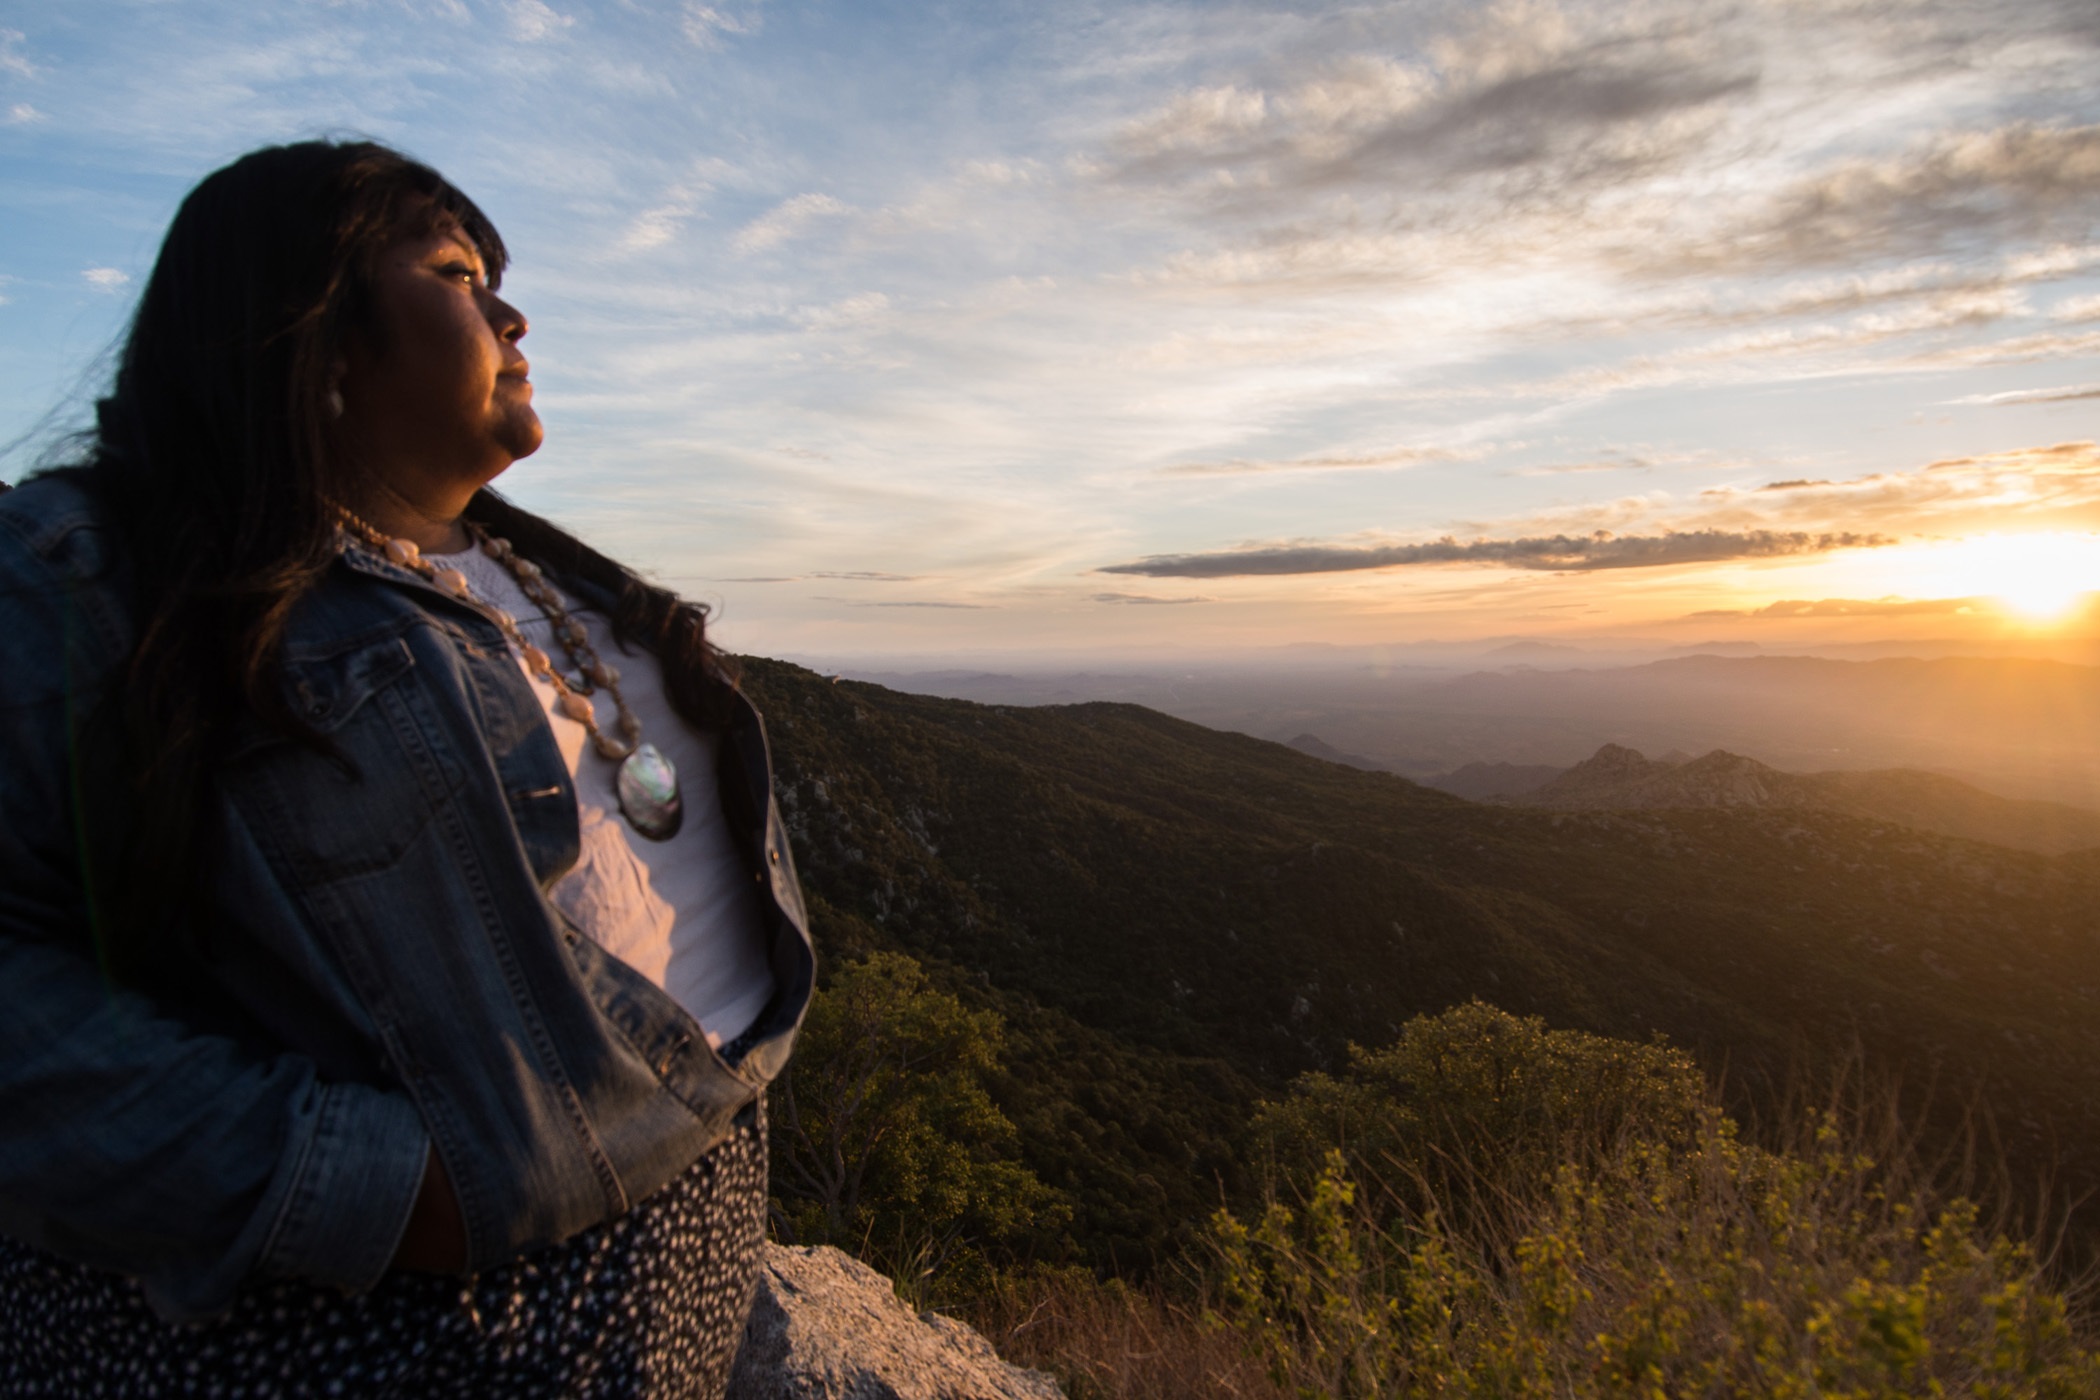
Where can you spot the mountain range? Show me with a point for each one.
(2016, 726)
(1175, 920)
(1617, 778)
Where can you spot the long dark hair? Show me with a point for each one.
(211, 464)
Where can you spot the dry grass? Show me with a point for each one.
(1113, 1342)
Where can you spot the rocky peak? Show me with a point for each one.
(1618, 777)
(1612, 763)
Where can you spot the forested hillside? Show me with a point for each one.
(1175, 921)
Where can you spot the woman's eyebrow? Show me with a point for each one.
(458, 244)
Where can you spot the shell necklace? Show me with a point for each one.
(646, 781)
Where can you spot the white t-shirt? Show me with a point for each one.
(684, 912)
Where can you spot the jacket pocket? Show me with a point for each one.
(327, 691)
(333, 815)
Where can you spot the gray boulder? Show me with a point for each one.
(825, 1326)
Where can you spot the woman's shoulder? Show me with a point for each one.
(63, 604)
(51, 532)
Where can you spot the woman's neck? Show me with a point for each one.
(435, 528)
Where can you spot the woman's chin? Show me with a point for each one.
(522, 434)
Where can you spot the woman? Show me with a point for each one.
(390, 985)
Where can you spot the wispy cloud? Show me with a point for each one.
(1954, 189)
(2019, 396)
(1341, 461)
(1934, 330)
(709, 26)
(1612, 463)
(1876, 607)
(1523, 88)
(2076, 309)
(106, 279)
(863, 309)
(654, 227)
(849, 575)
(911, 603)
(534, 20)
(789, 219)
(1853, 607)
(1558, 553)
(12, 59)
(1972, 492)
(662, 221)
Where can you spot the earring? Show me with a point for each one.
(334, 399)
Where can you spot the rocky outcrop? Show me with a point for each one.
(827, 1327)
(1620, 778)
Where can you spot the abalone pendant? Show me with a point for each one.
(648, 787)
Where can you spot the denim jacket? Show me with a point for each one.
(386, 972)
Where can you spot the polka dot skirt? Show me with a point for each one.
(651, 1304)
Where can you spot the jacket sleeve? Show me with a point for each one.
(130, 1140)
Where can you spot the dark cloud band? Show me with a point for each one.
(1555, 553)
(1142, 599)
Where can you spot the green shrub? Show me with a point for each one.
(1475, 1103)
(1659, 1256)
(885, 1142)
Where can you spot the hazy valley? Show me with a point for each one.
(2018, 727)
(1621, 779)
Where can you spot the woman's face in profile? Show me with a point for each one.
(438, 396)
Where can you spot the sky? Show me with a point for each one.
(1149, 329)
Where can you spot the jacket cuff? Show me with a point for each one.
(351, 1192)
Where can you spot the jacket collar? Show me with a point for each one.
(374, 565)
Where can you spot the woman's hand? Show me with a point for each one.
(435, 1241)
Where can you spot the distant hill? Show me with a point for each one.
(1477, 782)
(1175, 920)
(2031, 728)
(1619, 778)
(1316, 747)
(1538, 651)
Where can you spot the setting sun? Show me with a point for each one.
(2038, 576)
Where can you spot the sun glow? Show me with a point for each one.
(2040, 577)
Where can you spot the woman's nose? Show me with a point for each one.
(509, 322)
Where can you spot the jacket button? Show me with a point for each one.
(773, 856)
